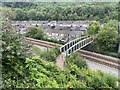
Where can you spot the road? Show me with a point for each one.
(105, 69)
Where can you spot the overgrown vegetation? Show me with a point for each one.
(75, 58)
(49, 54)
(106, 41)
(93, 28)
(14, 49)
(35, 32)
(43, 74)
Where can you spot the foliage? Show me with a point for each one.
(50, 54)
(97, 79)
(119, 10)
(54, 41)
(34, 72)
(107, 38)
(18, 4)
(36, 50)
(44, 74)
(93, 28)
(14, 49)
(76, 59)
(35, 32)
(64, 11)
(7, 13)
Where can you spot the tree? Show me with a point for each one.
(94, 28)
(14, 51)
(106, 19)
(35, 32)
(107, 38)
(31, 32)
(7, 13)
(32, 14)
(20, 14)
(60, 11)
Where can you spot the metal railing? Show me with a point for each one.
(76, 44)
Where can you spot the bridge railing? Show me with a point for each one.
(79, 45)
(71, 43)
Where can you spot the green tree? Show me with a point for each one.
(14, 51)
(107, 38)
(7, 13)
(35, 32)
(32, 14)
(93, 29)
(20, 14)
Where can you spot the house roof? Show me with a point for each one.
(57, 31)
(65, 32)
(53, 22)
(73, 28)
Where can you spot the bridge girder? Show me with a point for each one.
(76, 45)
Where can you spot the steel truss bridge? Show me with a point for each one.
(76, 44)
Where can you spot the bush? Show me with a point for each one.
(76, 59)
(14, 52)
(31, 31)
(54, 41)
(50, 54)
(97, 79)
(44, 74)
(35, 32)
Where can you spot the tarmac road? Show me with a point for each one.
(105, 69)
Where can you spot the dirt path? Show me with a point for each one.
(60, 61)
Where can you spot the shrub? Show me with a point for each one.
(35, 32)
(76, 59)
(14, 52)
(44, 74)
(50, 54)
